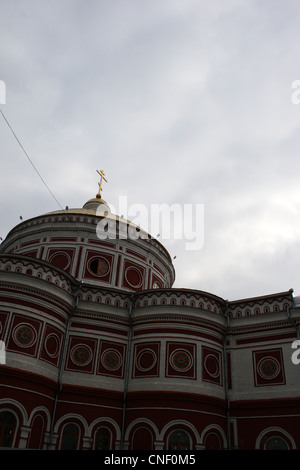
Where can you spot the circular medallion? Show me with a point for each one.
(81, 355)
(133, 277)
(211, 365)
(24, 336)
(98, 266)
(52, 345)
(268, 368)
(111, 359)
(146, 360)
(60, 259)
(181, 360)
(155, 285)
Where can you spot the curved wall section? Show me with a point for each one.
(178, 338)
(69, 240)
(101, 352)
(36, 300)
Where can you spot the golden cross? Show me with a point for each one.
(102, 175)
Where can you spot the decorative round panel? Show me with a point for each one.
(61, 259)
(146, 360)
(24, 336)
(52, 345)
(81, 355)
(181, 360)
(133, 277)
(268, 368)
(98, 266)
(211, 365)
(111, 359)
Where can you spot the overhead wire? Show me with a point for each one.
(29, 159)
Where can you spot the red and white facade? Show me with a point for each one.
(102, 352)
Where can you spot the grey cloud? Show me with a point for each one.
(177, 101)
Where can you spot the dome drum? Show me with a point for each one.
(69, 240)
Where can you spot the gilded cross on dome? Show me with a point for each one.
(102, 177)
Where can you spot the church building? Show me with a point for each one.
(99, 351)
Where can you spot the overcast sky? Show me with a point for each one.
(178, 101)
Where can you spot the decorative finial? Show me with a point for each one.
(102, 176)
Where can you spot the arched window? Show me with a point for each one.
(102, 439)
(37, 433)
(7, 428)
(212, 441)
(142, 439)
(179, 440)
(70, 437)
(276, 443)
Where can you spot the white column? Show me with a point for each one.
(24, 436)
(159, 445)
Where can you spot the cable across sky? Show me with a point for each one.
(29, 159)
